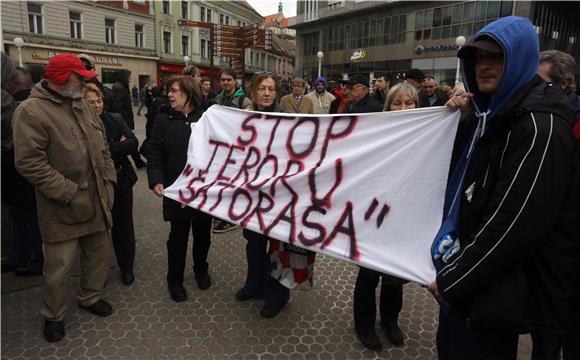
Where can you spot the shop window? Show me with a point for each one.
(110, 31)
(139, 36)
(76, 25)
(35, 18)
(109, 77)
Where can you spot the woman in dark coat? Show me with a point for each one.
(122, 142)
(168, 156)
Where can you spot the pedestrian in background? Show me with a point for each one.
(321, 99)
(382, 86)
(357, 93)
(122, 106)
(135, 95)
(60, 149)
(168, 157)
(297, 102)
(122, 142)
(231, 96)
(431, 94)
(25, 253)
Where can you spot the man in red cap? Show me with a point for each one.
(60, 149)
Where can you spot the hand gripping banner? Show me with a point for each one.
(368, 188)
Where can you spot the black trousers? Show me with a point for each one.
(123, 231)
(365, 304)
(200, 225)
(258, 279)
(458, 341)
(551, 347)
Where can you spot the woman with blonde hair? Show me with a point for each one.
(402, 96)
(122, 142)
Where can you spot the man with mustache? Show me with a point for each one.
(507, 252)
(60, 149)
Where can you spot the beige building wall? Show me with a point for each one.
(56, 36)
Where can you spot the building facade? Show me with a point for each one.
(371, 37)
(178, 42)
(117, 34)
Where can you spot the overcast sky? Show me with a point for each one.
(269, 7)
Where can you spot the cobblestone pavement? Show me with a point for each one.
(147, 324)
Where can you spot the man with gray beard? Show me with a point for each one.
(60, 149)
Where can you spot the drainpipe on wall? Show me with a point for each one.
(155, 41)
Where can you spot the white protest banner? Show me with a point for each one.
(368, 188)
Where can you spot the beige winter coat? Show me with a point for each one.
(321, 103)
(288, 104)
(61, 150)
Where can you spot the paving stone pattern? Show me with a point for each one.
(211, 324)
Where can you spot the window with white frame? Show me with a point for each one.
(110, 37)
(76, 25)
(203, 49)
(165, 7)
(139, 36)
(208, 17)
(184, 45)
(239, 23)
(227, 20)
(35, 24)
(167, 42)
(184, 10)
(201, 14)
(221, 19)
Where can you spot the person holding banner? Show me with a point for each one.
(259, 282)
(507, 253)
(402, 96)
(169, 142)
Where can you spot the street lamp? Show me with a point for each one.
(186, 60)
(19, 43)
(459, 41)
(319, 55)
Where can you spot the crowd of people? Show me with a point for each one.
(507, 253)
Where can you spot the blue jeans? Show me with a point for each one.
(258, 280)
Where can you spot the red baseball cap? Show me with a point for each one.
(60, 67)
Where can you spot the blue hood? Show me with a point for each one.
(321, 79)
(519, 41)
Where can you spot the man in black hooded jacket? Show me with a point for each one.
(517, 267)
(122, 105)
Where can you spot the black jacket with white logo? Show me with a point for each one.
(519, 228)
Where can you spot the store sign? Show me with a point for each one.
(421, 50)
(358, 55)
(103, 60)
